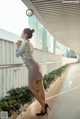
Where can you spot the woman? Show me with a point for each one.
(25, 50)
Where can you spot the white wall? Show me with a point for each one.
(13, 77)
(68, 60)
(17, 76)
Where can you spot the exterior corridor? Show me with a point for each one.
(63, 97)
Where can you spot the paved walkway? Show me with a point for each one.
(63, 97)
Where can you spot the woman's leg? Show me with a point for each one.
(36, 94)
(41, 90)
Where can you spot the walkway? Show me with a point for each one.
(63, 97)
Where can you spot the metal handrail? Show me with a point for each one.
(11, 65)
(22, 64)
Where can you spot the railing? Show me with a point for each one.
(12, 76)
(10, 66)
(16, 75)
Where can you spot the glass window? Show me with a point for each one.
(32, 24)
(40, 31)
(50, 42)
(42, 39)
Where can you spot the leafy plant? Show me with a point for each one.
(48, 78)
(9, 104)
(20, 96)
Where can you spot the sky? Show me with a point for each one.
(12, 16)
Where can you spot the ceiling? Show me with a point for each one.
(61, 19)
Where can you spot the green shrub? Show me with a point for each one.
(48, 78)
(16, 98)
(9, 104)
(20, 96)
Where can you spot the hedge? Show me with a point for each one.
(20, 96)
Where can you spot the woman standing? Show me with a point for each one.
(25, 50)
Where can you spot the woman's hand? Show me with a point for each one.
(18, 43)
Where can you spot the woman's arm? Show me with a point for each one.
(20, 50)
